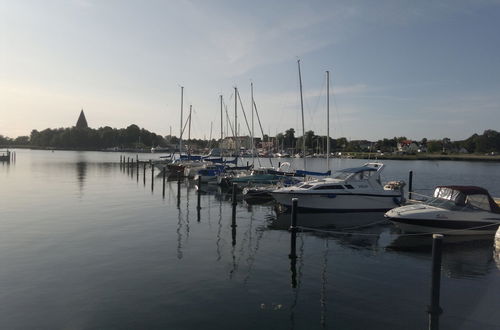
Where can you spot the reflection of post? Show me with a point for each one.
(233, 226)
(434, 309)
(164, 172)
(178, 191)
(233, 222)
(293, 242)
(198, 207)
(137, 171)
(293, 229)
(152, 176)
(410, 184)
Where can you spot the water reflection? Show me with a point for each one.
(81, 174)
(463, 257)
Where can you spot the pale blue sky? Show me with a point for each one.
(414, 68)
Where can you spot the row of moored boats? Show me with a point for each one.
(456, 210)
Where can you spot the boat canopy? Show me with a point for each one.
(357, 169)
(476, 197)
(304, 173)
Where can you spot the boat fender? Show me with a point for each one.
(331, 195)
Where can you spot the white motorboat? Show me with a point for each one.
(349, 190)
(453, 210)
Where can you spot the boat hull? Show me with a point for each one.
(339, 202)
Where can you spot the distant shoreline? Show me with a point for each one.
(353, 155)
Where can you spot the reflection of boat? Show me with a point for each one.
(5, 156)
(463, 256)
(328, 220)
(455, 210)
(348, 190)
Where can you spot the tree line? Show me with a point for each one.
(135, 137)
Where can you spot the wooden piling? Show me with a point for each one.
(144, 173)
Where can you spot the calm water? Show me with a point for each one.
(86, 245)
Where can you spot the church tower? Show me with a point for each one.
(82, 122)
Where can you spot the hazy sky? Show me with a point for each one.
(413, 68)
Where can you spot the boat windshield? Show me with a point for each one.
(467, 203)
(341, 175)
(460, 199)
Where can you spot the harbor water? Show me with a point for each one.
(88, 244)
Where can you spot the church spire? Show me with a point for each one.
(82, 122)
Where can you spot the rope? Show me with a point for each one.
(375, 234)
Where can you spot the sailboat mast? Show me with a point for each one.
(189, 131)
(327, 120)
(236, 120)
(302, 110)
(182, 122)
(253, 145)
(221, 121)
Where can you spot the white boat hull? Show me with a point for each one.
(340, 202)
(421, 218)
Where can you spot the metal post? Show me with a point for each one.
(199, 193)
(410, 184)
(434, 309)
(234, 201)
(293, 229)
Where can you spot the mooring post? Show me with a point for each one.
(233, 197)
(434, 309)
(137, 162)
(279, 165)
(120, 160)
(293, 229)
(144, 173)
(410, 184)
(198, 207)
(164, 174)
